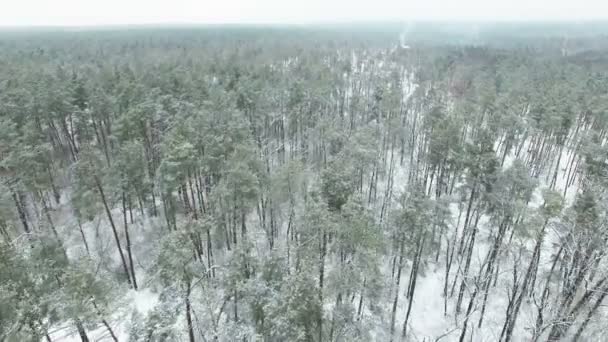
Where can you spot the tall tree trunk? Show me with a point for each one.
(81, 331)
(397, 282)
(47, 213)
(333, 319)
(194, 207)
(467, 219)
(236, 304)
(466, 270)
(21, 210)
(124, 212)
(323, 251)
(590, 313)
(188, 313)
(104, 321)
(468, 313)
(360, 306)
(511, 319)
(413, 280)
(544, 295)
(556, 172)
(114, 231)
(492, 257)
(56, 193)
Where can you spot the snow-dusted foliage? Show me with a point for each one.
(234, 185)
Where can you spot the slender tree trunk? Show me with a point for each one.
(84, 239)
(131, 209)
(154, 211)
(556, 172)
(56, 193)
(511, 318)
(104, 322)
(210, 253)
(591, 312)
(413, 280)
(114, 231)
(544, 295)
(397, 283)
(124, 211)
(194, 206)
(21, 211)
(322, 253)
(333, 319)
(4, 231)
(466, 270)
(492, 257)
(467, 218)
(236, 304)
(189, 314)
(468, 314)
(360, 306)
(448, 264)
(47, 213)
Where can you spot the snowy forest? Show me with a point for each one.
(374, 183)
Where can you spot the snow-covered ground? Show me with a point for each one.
(141, 301)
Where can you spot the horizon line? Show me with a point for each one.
(303, 24)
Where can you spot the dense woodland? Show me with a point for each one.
(291, 184)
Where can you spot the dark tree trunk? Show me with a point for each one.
(413, 280)
(124, 211)
(81, 331)
(591, 312)
(114, 231)
(468, 314)
(544, 295)
(104, 322)
(511, 318)
(84, 239)
(189, 314)
(397, 283)
(21, 210)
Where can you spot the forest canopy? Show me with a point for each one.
(354, 182)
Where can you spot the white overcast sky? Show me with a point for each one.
(116, 12)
